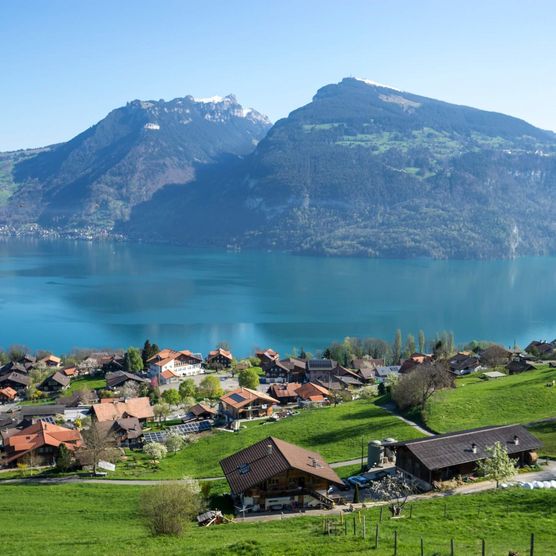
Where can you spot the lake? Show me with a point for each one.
(58, 295)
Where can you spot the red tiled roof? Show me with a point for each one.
(114, 409)
(225, 353)
(244, 396)
(8, 393)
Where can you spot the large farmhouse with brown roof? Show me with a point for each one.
(290, 369)
(244, 403)
(313, 393)
(39, 444)
(275, 475)
(219, 358)
(446, 456)
(181, 363)
(116, 409)
(284, 393)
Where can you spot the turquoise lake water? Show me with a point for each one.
(58, 295)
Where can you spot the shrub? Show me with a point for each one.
(155, 450)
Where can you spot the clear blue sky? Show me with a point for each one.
(66, 63)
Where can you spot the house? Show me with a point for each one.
(110, 363)
(284, 393)
(519, 365)
(382, 373)
(365, 367)
(245, 403)
(7, 395)
(34, 413)
(110, 410)
(14, 367)
(495, 356)
(120, 378)
(273, 475)
(55, 383)
(267, 358)
(200, 412)
(39, 444)
(414, 360)
(72, 372)
(290, 369)
(181, 363)
(446, 456)
(17, 381)
(464, 363)
(541, 348)
(327, 372)
(219, 358)
(50, 361)
(313, 393)
(126, 431)
(169, 377)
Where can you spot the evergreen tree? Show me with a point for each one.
(397, 348)
(422, 341)
(409, 345)
(133, 362)
(63, 459)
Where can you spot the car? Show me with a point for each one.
(359, 480)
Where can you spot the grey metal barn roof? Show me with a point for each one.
(446, 450)
(268, 458)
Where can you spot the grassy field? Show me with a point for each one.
(521, 398)
(546, 432)
(335, 432)
(103, 520)
(86, 382)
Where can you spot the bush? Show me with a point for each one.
(174, 442)
(155, 450)
(368, 392)
(249, 378)
(169, 507)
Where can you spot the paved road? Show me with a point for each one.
(391, 408)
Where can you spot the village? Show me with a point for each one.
(97, 415)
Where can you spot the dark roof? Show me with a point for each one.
(59, 378)
(16, 377)
(40, 410)
(321, 364)
(268, 458)
(120, 377)
(446, 450)
(13, 367)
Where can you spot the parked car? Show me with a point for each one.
(363, 482)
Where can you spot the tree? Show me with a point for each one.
(495, 356)
(148, 351)
(161, 410)
(188, 389)
(129, 390)
(133, 362)
(422, 342)
(210, 388)
(415, 387)
(17, 352)
(168, 508)
(249, 378)
(395, 489)
(409, 345)
(498, 466)
(174, 442)
(171, 396)
(397, 347)
(98, 445)
(368, 392)
(155, 450)
(64, 458)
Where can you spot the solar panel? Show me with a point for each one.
(244, 469)
(237, 398)
(49, 420)
(154, 437)
(186, 428)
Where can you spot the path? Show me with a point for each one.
(391, 408)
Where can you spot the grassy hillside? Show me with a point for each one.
(101, 519)
(474, 403)
(546, 432)
(335, 432)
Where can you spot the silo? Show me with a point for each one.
(375, 453)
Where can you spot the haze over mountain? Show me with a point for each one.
(363, 169)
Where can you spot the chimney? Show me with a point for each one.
(474, 448)
(516, 440)
(269, 449)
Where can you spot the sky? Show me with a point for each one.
(65, 64)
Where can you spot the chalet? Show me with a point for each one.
(39, 444)
(414, 360)
(200, 412)
(72, 372)
(267, 358)
(382, 373)
(313, 393)
(55, 383)
(181, 363)
(14, 367)
(120, 378)
(284, 393)
(126, 431)
(464, 363)
(28, 359)
(245, 403)
(111, 410)
(7, 395)
(48, 412)
(366, 368)
(286, 370)
(50, 361)
(446, 456)
(17, 381)
(169, 377)
(519, 365)
(110, 363)
(328, 373)
(542, 349)
(273, 475)
(219, 358)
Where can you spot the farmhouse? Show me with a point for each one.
(55, 383)
(39, 444)
(181, 363)
(7, 395)
(120, 378)
(220, 358)
(110, 410)
(446, 456)
(267, 357)
(314, 393)
(126, 431)
(17, 381)
(414, 360)
(50, 361)
(275, 475)
(464, 363)
(245, 403)
(519, 365)
(286, 370)
(284, 393)
(200, 412)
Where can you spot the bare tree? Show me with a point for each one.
(395, 489)
(99, 444)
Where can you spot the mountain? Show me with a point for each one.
(366, 169)
(363, 169)
(94, 180)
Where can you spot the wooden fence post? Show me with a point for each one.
(532, 548)
(380, 518)
(483, 547)
(395, 542)
(410, 511)
(422, 547)
(451, 547)
(364, 529)
(376, 536)
(346, 526)
(354, 522)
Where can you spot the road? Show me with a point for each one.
(391, 408)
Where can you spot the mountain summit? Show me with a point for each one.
(363, 169)
(99, 176)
